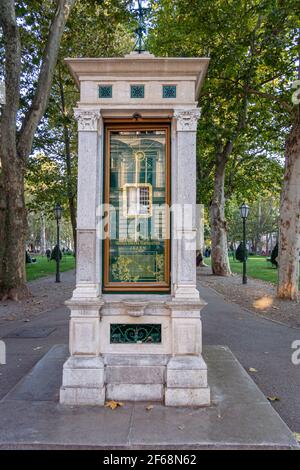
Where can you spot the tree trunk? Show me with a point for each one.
(289, 222)
(12, 204)
(13, 151)
(43, 235)
(13, 232)
(68, 158)
(219, 250)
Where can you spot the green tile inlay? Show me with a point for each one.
(137, 91)
(135, 333)
(105, 91)
(169, 91)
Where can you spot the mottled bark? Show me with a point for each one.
(14, 151)
(12, 204)
(219, 249)
(289, 223)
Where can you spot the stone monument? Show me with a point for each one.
(135, 326)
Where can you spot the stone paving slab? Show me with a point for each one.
(240, 416)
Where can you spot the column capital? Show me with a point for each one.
(187, 119)
(87, 119)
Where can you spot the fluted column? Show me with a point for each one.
(89, 140)
(185, 212)
(83, 372)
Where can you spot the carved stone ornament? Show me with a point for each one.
(87, 119)
(187, 119)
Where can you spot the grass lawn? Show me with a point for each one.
(43, 267)
(257, 267)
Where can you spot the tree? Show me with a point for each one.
(17, 133)
(106, 34)
(33, 30)
(254, 50)
(262, 219)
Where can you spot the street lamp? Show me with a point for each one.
(244, 211)
(57, 213)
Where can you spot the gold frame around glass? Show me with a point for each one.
(142, 125)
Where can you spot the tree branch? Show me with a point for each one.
(271, 97)
(40, 100)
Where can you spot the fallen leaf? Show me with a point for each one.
(251, 369)
(263, 303)
(112, 404)
(297, 436)
(150, 407)
(273, 398)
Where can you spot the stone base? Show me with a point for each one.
(187, 382)
(135, 392)
(187, 397)
(83, 381)
(241, 417)
(82, 396)
(135, 378)
(181, 381)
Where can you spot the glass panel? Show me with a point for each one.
(169, 91)
(105, 91)
(137, 199)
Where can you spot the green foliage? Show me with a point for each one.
(262, 219)
(95, 29)
(253, 53)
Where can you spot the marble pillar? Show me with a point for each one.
(83, 373)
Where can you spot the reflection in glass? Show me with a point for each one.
(138, 197)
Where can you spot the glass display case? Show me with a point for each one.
(137, 190)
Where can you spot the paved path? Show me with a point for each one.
(256, 342)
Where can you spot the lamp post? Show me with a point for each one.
(57, 213)
(244, 211)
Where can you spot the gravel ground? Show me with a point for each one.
(46, 295)
(257, 296)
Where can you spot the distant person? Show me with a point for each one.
(28, 258)
(48, 254)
